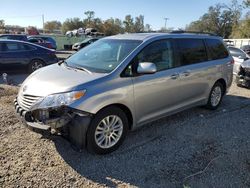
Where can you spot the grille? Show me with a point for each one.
(26, 101)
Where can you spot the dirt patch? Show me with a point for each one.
(196, 148)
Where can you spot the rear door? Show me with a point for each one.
(195, 71)
(14, 56)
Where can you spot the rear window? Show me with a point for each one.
(12, 46)
(236, 52)
(191, 51)
(216, 49)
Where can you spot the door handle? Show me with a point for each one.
(174, 76)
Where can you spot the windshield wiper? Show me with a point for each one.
(62, 61)
(83, 69)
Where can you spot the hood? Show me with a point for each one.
(56, 79)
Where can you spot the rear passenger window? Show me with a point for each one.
(28, 47)
(216, 49)
(12, 46)
(191, 51)
(160, 53)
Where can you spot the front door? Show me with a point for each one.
(159, 93)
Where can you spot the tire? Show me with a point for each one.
(215, 96)
(35, 64)
(104, 140)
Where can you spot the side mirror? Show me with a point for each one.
(146, 68)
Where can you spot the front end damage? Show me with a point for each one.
(67, 121)
(243, 76)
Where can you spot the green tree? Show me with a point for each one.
(90, 16)
(129, 24)
(139, 24)
(247, 3)
(243, 28)
(112, 26)
(147, 28)
(50, 26)
(2, 24)
(220, 19)
(71, 24)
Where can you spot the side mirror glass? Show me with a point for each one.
(146, 68)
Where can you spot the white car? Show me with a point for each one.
(239, 57)
(241, 66)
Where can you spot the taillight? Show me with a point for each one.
(231, 62)
(52, 54)
(49, 45)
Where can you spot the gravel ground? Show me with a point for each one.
(195, 148)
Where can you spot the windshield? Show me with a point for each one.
(104, 55)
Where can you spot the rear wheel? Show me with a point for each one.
(215, 96)
(107, 130)
(35, 64)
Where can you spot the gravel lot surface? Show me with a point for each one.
(195, 148)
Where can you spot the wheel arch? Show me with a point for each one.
(34, 59)
(37, 58)
(125, 109)
(223, 82)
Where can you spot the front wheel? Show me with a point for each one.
(215, 96)
(107, 131)
(35, 64)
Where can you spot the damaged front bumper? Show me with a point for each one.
(51, 118)
(243, 78)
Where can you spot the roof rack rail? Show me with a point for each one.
(192, 32)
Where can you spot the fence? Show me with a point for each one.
(239, 42)
(62, 40)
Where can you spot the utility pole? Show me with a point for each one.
(166, 19)
(43, 21)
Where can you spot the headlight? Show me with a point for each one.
(61, 99)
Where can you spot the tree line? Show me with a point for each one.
(226, 20)
(110, 26)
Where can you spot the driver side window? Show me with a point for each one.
(160, 53)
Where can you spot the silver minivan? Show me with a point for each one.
(122, 82)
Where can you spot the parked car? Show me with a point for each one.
(241, 66)
(40, 42)
(243, 76)
(18, 55)
(79, 45)
(246, 48)
(69, 33)
(122, 82)
(47, 39)
(89, 31)
(14, 37)
(239, 57)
